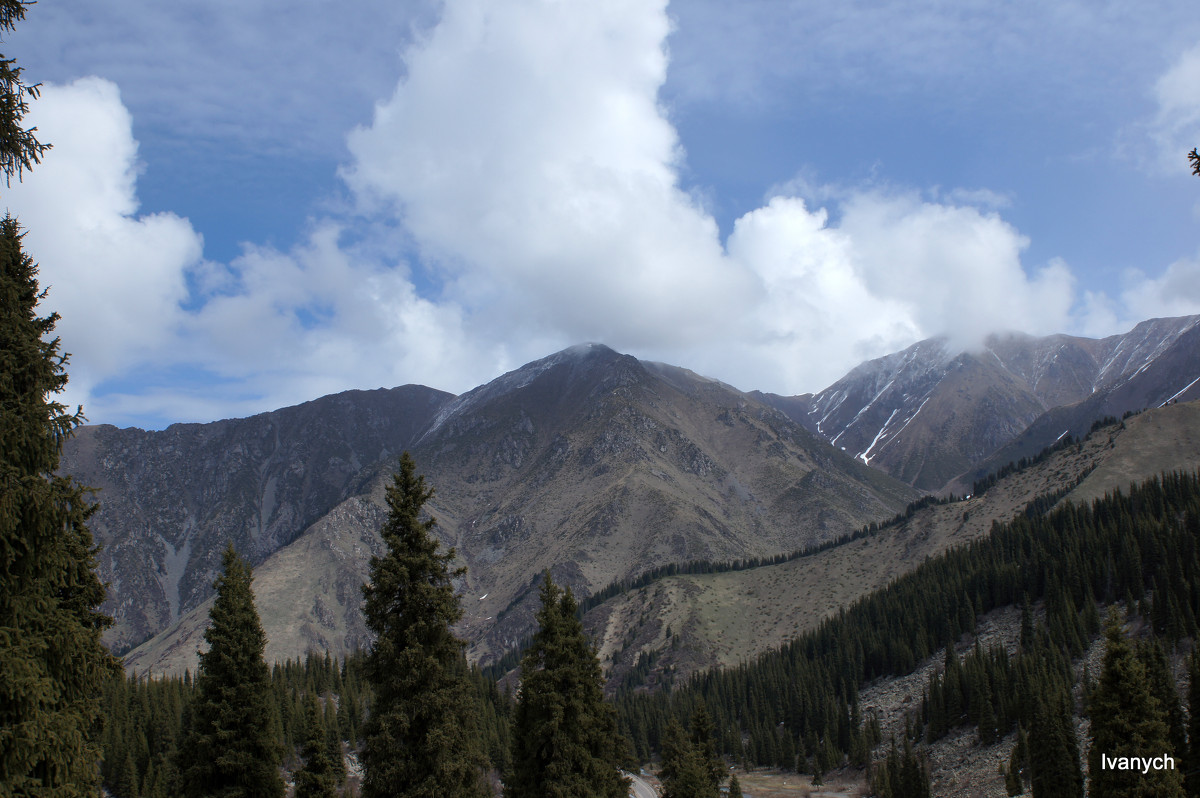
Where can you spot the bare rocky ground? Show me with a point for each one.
(961, 767)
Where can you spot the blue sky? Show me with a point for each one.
(252, 205)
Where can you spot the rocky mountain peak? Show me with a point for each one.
(588, 463)
(562, 372)
(929, 413)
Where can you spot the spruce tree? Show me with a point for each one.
(735, 787)
(565, 740)
(19, 147)
(1012, 780)
(229, 749)
(1127, 721)
(1054, 749)
(1162, 687)
(684, 773)
(690, 765)
(317, 778)
(52, 663)
(422, 735)
(1192, 763)
(704, 742)
(333, 743)
(1018, 765)
(914, 775)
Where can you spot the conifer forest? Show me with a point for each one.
(1132, 555)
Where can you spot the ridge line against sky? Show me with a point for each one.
(246, 208)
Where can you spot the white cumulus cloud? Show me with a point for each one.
(269, 329)
(528, 154)
(956, 270)
(116, 278)
(1176, 126)
(1175, 292)
(526, 157)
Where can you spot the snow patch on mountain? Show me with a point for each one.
(866, 455)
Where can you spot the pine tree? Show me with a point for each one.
(565, 740)
(1054, 750)
(19, 148)
(52, 663)
(316, 779)
(690, 765)
(333, 743)
(684, 773)
(914, 775)
(703, 741)
(1018, 765)
(1192, 763)
(1127, 721)
(1162, 687)
(229, 748)
(901, 776)
(735, 787)
(422, 734)
(1012, 780)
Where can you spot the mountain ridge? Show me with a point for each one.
(593, 465)
(588, 463)
(929, 415)
(258, 482)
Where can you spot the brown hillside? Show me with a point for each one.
(721, 619)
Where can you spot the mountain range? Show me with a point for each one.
(930, 414)
(590, 464)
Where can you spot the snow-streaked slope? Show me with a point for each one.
(927, 413)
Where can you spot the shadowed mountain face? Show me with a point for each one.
(171, 500)
(927, 415)
(588, 463)
(598, 466)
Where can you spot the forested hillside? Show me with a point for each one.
(801, 703)
(799, 707)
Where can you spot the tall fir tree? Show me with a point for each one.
(914, 775)
(690, 765)
(1054, 749)
(901, 776)
(52, 663)
(230, 748)
(1162, 687)
(19, 147)
(422, 734)
(1127, 721)
(1012, 781)
(565, 739)
(1018, 765)
(317, 779)
(1192, 763)
(703, 734)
